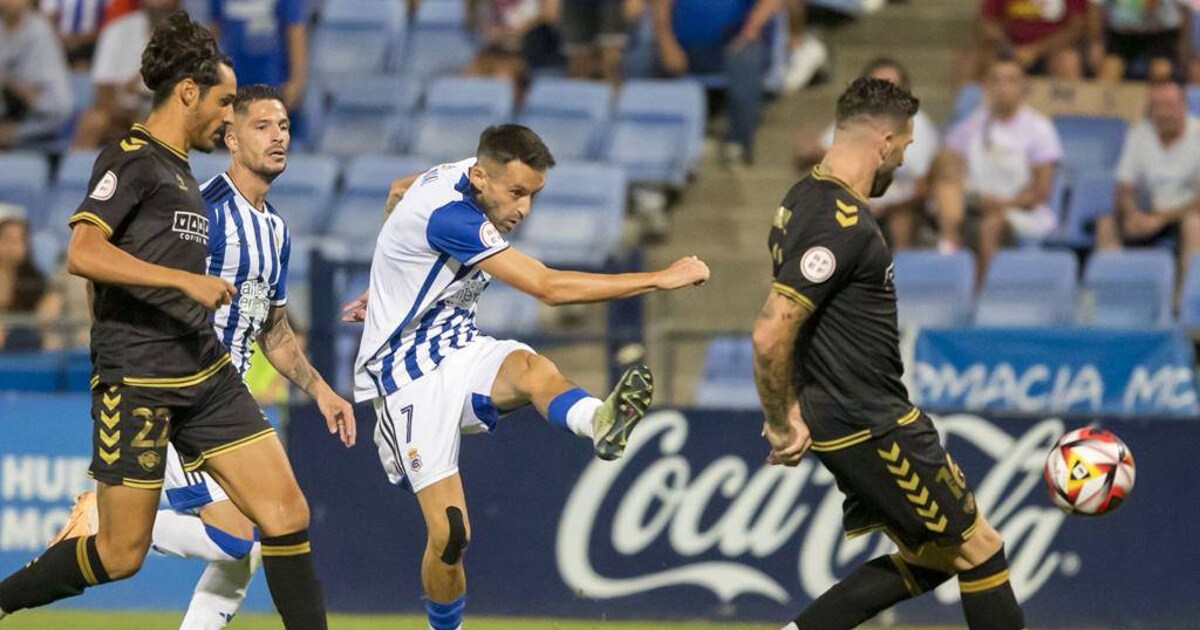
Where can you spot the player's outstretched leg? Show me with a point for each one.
(871, 589)
(73, 564)
(526, 377)
(258, 479)
(442, 574)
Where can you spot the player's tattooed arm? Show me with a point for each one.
(775, 332)
(282, 349)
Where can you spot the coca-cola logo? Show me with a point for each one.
(662, 497)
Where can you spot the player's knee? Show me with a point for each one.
(121, 558)
(451, 538)
(287, 515)
(983, 544)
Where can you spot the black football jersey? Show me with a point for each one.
(828, 254)
(143, 196)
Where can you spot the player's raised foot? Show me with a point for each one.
(621, 412)
(83, 521)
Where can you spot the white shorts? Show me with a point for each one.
(187, 492)
(418, 428)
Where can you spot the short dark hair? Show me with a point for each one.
(180, 49)
(250, 94)
(879, 63)
(505, 143)
(872, 98)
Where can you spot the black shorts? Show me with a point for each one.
(586, 23)
(203, 416)
(1133, 46)
(905, 483)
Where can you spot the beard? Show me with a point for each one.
(881, 182)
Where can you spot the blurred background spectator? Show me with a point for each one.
(808, 57)
(78, 23)
(996, 172)
(23, 290)
(1139, 38)
(519, 37)
(594, 35)
(119, 96)
(35, 92)
(902, 206)
(1158, 180)
(267, 41)
(1044, 37)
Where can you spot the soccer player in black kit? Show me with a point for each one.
(827, 366)
(159, 371)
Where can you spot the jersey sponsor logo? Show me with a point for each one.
(191, 227)
(105, 188)
(254, 300)
(489, 235)
(818, 264)
(468, 295)
(847, 214)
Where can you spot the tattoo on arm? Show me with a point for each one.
(280, 346)
(775, 332)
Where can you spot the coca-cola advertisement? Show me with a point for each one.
(693, 523)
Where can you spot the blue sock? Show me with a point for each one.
(562, 403)
(446, 616)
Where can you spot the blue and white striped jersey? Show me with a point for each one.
(250, 249)
(424, 281)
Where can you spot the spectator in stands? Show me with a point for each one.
(35, 90)
(1124, 34)
(519, 36)
(809, 56)
(1158, 179)
(900, 208)
(1043, 37)
(79, 23)
(719, 36)
(997, 169)
(121, 98)
(268, 43)
(595, 33)
(22, 286)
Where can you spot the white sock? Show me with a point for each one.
(791, 626)
(579, 416)
(220, 592)
(183, 535)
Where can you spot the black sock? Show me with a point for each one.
(987, 597)
(873, 587)
(62, 571)
(288, 563)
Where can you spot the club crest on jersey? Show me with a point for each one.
(149, 460)
(105, 188)
(414, 460)
(818, 264)
(191, 227)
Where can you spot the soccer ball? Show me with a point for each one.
(1089, 471)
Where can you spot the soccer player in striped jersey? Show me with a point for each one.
(433, 375)
(249, 247)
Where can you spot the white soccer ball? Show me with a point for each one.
(1089, 471)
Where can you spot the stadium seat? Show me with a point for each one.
(1090, 197)
(933, 289)
(503, 310)
(1130, 289)
(658, 130)
(577, 218)
(350, 133)
(457, 110)
(48, 247)
(356, 36)
(434, 51)
(358, 212)
(570, 115)
(368, 114)
(728, 380)
(206, 166)
(69, 189)
(1189, 300)
(440, 14)
(1090, 143)
(1028, 287)
(24, 179)
(303, 192)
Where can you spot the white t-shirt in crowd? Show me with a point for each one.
(118, 57)
(917, 161)
(1170, 175)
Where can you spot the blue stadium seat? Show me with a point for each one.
(303, 192)
(1090, 143)
(358, 212)
(24, 179)
(356, 36)
(433, 52)
(457, 110)
(1028, 287)
(206, 166)
(506, 311)
(48, 248)
(728, 380)
(577, 219)
(368, 114)
(69, 188)
(658, 130)
(570, 115)
(1091, 196)
(1131, 289)
(933, 289)
(1189, 300)
(440, 14)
